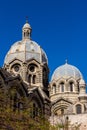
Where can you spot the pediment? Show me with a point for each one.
(62, 101)
(32, 60)
(61, 80)
(61, 104)
(71, 79)
(15, 60)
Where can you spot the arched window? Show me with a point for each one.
(30, 78)
(62, 111)
(62, 87)
(34, 79)
(71, 86)
(54, 88)
(27, 33)
(16, 68)
(78, 109)
(32, 67)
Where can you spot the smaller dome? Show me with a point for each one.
(26, 25)
(66, 71)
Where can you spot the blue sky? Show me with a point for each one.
(59, 26)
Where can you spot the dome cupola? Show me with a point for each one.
(66, 71)
(26, 49)
(28, 59)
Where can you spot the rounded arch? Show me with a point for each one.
(33, 62)
(32, 67)
(34, 79)
(16, 68)
(72, 84)
(32, 73)
(59, 109)
(54, 88)
(62, 86)
(78, 108)
(72, 80)
(13, 62)
(16, 97)
(36, 104)
(61, 80)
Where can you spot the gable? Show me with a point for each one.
(60, 104)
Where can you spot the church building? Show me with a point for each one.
(26, 68)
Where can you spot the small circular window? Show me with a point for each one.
(16, 68)
(32, 68)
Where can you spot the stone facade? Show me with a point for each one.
(68, 96)
(27, 60)
(26, 67)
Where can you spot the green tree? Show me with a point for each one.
(11, 118)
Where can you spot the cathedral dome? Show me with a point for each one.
(66, 71)
(26, 49)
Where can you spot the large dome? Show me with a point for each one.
(66, 71)
(26, 49)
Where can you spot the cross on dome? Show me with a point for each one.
(26, 19)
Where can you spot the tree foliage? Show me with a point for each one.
(11, 118)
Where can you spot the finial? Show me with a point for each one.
(66, 61)
(26, 19)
